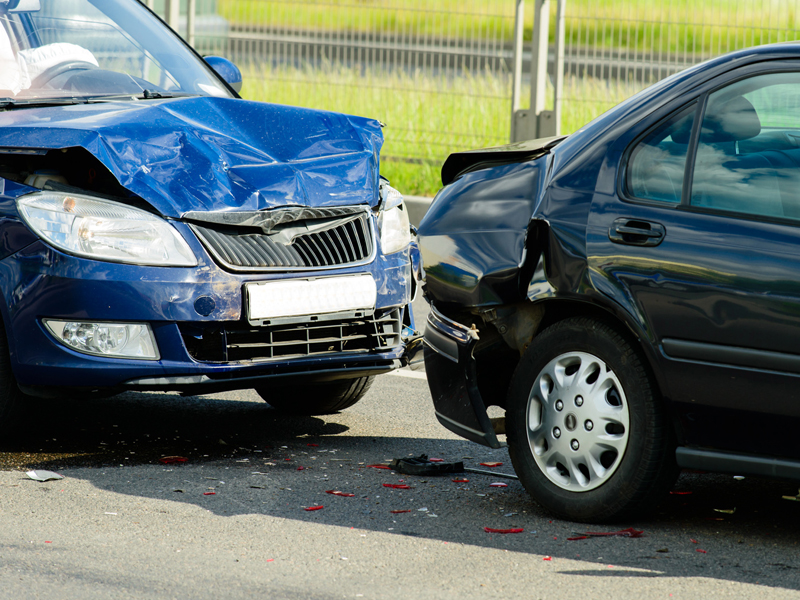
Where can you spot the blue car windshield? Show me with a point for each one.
(52, 49)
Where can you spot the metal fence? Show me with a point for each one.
(440, 73)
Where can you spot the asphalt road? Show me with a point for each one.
(123, 525)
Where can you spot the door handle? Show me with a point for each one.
(635, 232)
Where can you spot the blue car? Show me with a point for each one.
(629, 294)
(157, 232)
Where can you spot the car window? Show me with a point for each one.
(748, 156)
(657, 164)
(95, 47)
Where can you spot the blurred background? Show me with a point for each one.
(440, 73)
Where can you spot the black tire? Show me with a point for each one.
(575, 470)
(317, 398)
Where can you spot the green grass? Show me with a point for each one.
(684, 26)
(425, 119)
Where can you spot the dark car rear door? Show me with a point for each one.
(712, 264)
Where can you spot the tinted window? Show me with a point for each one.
(657, 163)
(748, 158)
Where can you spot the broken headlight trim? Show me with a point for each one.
(117, 340)
(393, 221)
(104, 230)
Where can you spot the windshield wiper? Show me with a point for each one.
(9, 103)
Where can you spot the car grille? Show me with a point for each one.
(241, 342)
(341, 242)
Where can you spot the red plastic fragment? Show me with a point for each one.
(397, 486)
(492, 464)
(498, 484)
(288, 459)
(270, 559)
(320, 507)
(209, 493)
(460, 480)
(435, 460)
(379, 467)
(675, 493)
(700, 550)
(301, 468)
(397, 512)
(578, 537)
(48, 542)
(512, 530)
(338, 493)
(313, 445)
(171, 460)
(693, 541)
(629, 532)
(547, 558)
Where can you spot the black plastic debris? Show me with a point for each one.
(420, 465)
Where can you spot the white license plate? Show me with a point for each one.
(310, 297)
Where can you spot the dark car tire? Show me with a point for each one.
(620, 469)
(317, 398)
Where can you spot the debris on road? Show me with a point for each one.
(547, 558)
(630, 532)
(700, 550)
(338, 493)
(309, 508)
(727, 511)
(491, 464)
(497, 484)
(677, 493)
(44, 475)
(397, 486)
(172, 460)
(209, 493)
(460, 480)
(512, 530)
(794, 498)
(421, 465)
(397, 512)
(387, 467)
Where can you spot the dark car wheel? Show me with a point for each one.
(587, 432)
(317, 398)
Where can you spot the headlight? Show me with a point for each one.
(104, 230)
(393, 221)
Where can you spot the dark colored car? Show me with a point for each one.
(630, 294)
(157, 232)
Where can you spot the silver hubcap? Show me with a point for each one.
(578, 421)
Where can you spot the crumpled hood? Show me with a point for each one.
(214, 154)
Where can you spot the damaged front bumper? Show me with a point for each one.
(452, 378)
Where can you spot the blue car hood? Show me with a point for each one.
(214, 154)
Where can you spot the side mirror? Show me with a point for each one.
(227, 70)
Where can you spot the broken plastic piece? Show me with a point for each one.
(629, 532)
(209, 493)
(578, 537)
(436, 459)
(675, 493)
(44, 475)
(460, 480)
(694, 541)
(301, 468)
(397, 486)
(700, 550)
(492, 464)
(547, 558)
(727, 511)
(313, 445)
(320, 507)
(338, 493)
(512, 530)
(498, 484)
(171, 460)
(379, 467)
(397, 512)
(420, 465)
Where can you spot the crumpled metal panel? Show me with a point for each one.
(214, 154)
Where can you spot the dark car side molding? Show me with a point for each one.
(738, 464)
(459, 162)
(732, 355)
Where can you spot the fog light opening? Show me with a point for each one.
(118, 340)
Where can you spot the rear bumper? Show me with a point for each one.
(451, 372)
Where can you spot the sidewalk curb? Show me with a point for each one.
(417, 207)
